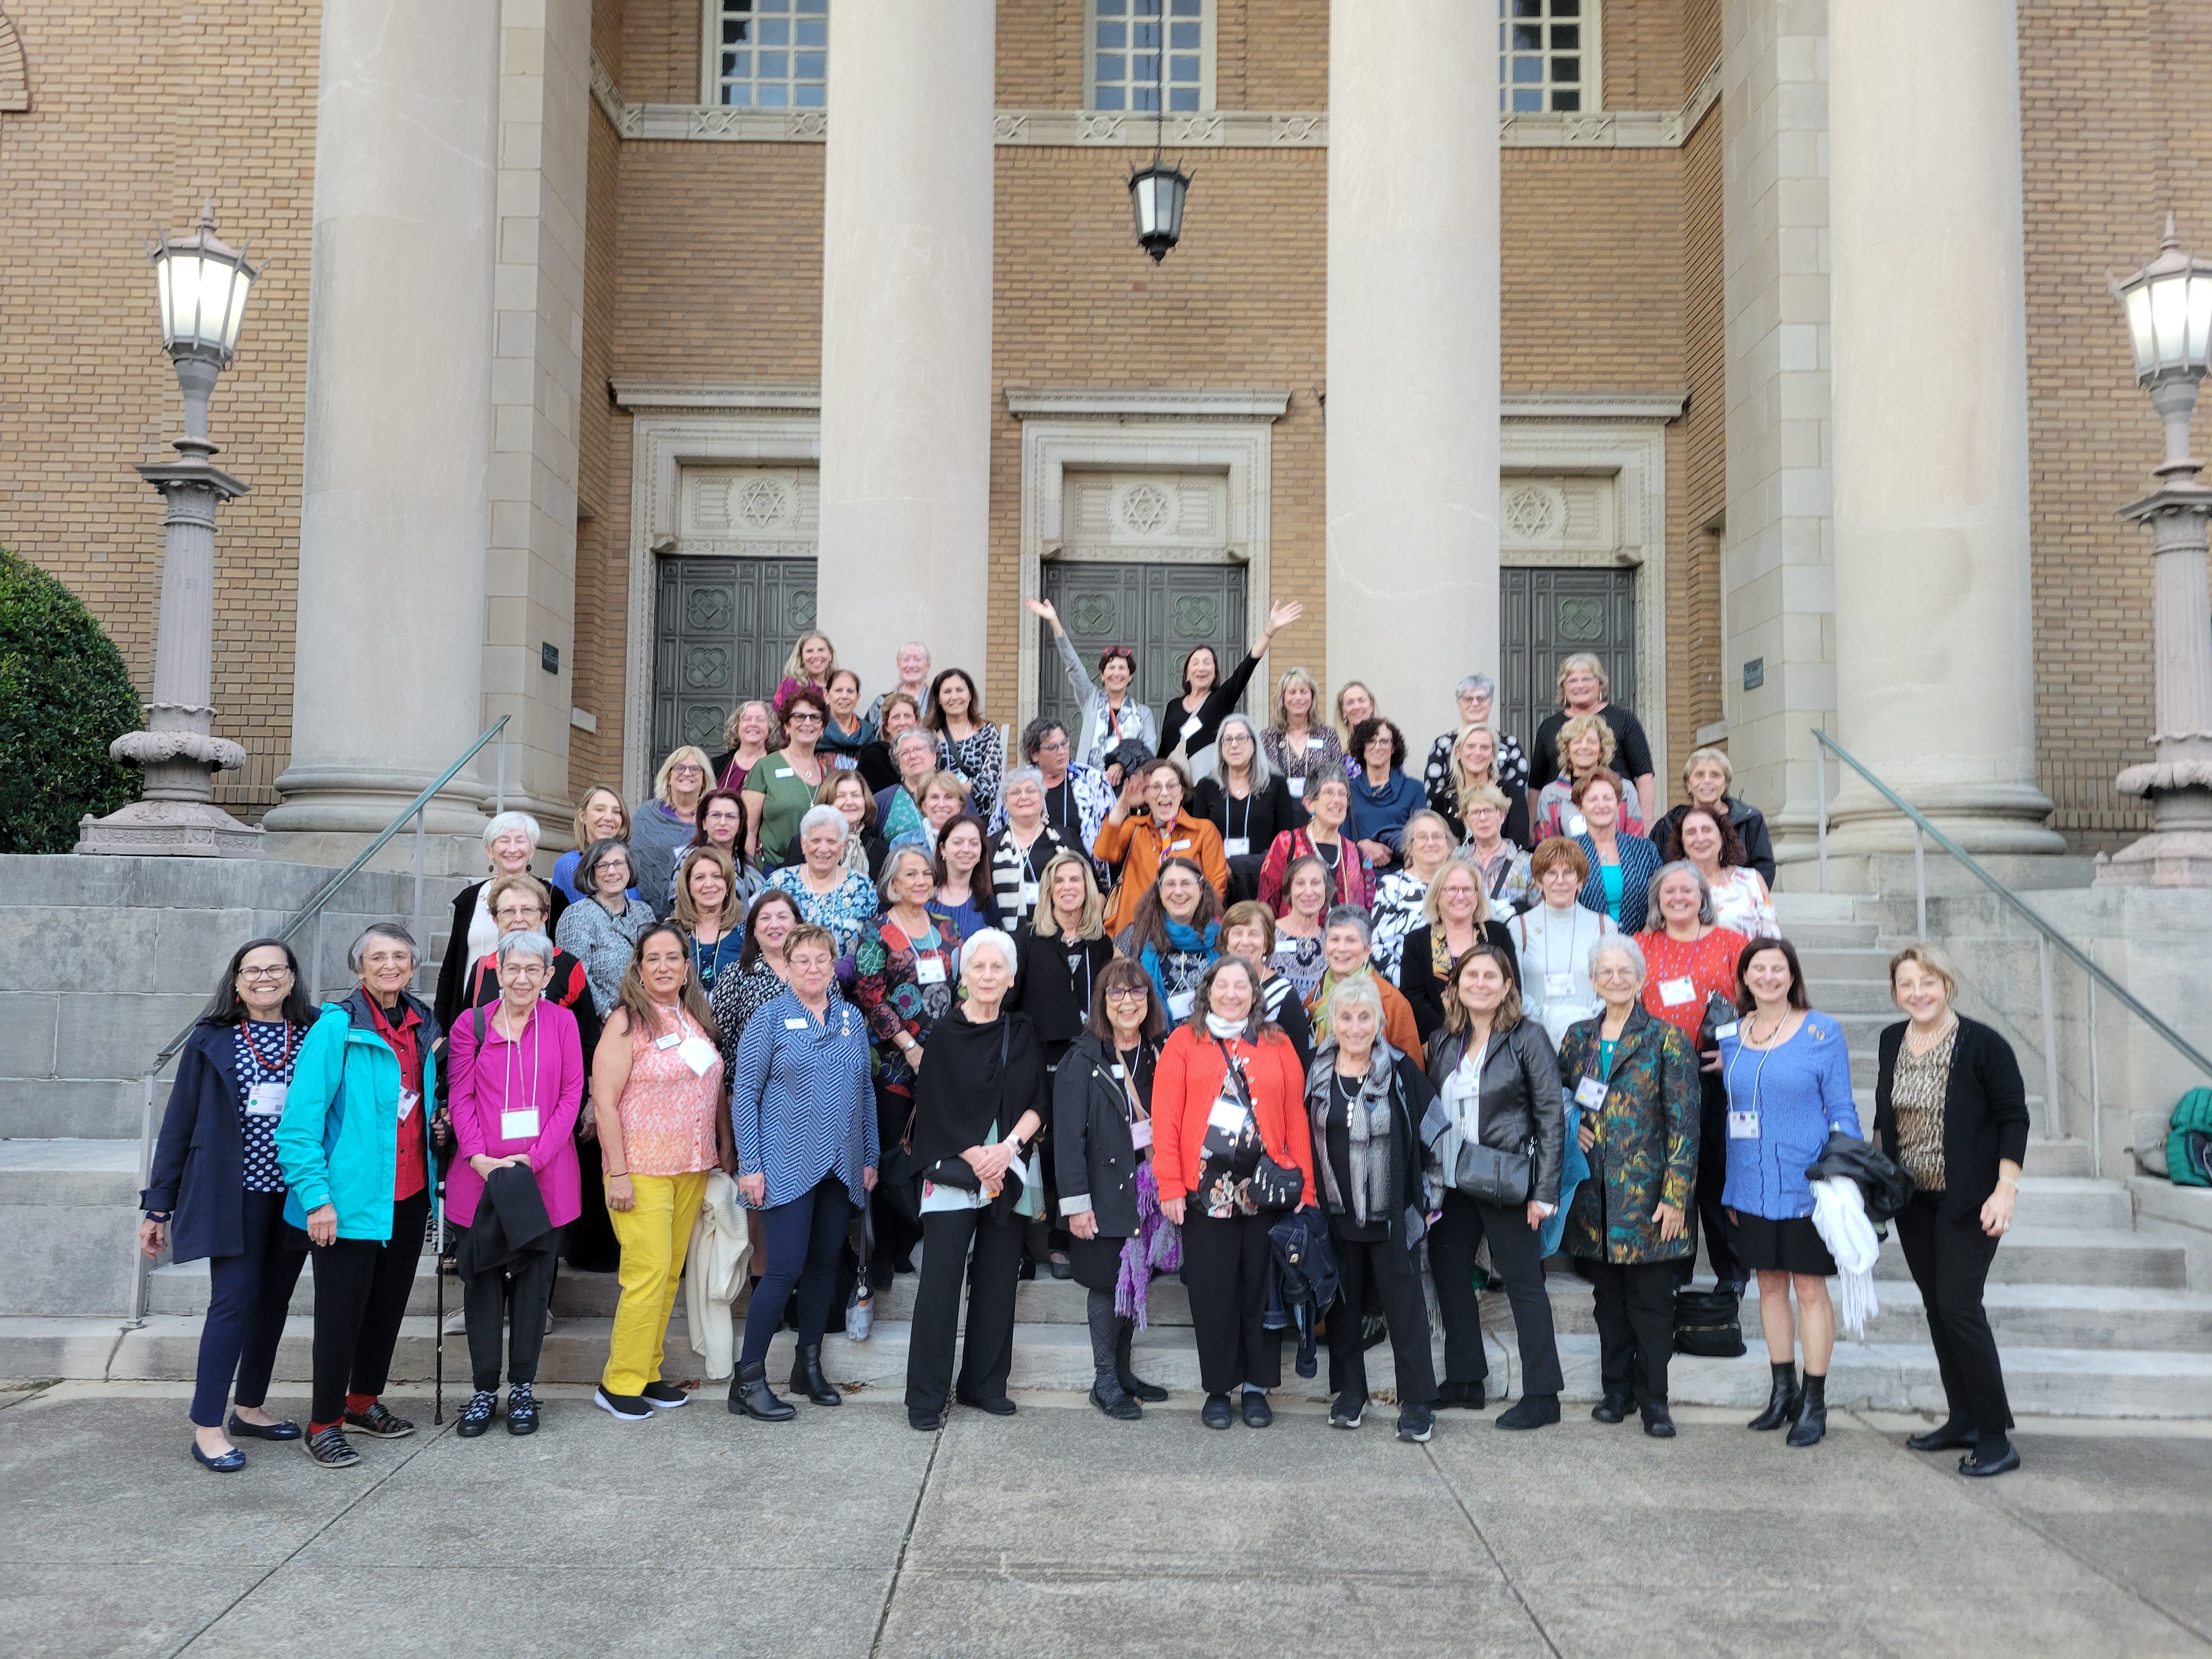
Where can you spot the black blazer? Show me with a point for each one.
(1093, 1152)
(1417, 974)
(1262, 817)
(453, 971)
(1288, 1015)
(199, 1160)
(1045, 989)
(1522, 1099)
(1984, 1112)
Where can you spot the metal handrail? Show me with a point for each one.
(2051, 936)
(313, 911)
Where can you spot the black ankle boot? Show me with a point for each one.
(1813, 1417)
(750, 1396)
(806, 1376)
(1781, 1406)
(1131, 1384)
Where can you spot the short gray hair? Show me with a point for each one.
(1654, 920)
(993, 938)
(1359, 989)
(1476, 685)
(816, 816)
(391, 930)
(1620, 944)
(1351, 915)
(1262, 772)
(1019, 775)
(887, 883)
(525, 944)
(911, 734)
(503, 822)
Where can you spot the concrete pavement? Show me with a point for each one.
(1057, 1532)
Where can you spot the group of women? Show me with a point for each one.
(1084, 1017)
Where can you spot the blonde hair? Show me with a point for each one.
(1483, 794)
(1581, 727)
(1718, 757)
(794, 665)
(733, 900)
(1934, 961)
(583, 835)
(1463, 784)
(943, 782)
(1343, 726)
(1589, 663)
(1432, 906)
(677, 756)
(1045, 924)
(1297, 677)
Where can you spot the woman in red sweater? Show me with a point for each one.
(1228, 1086)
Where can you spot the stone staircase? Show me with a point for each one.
(2094, 1316)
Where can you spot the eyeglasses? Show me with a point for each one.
(1056, 746)
(1126, 993)
(265, 973)
(686, 770)
(516, 912)
(802, 718)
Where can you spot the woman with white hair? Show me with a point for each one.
(978, 1105)
(1244, 799)
(1477, 695)
(510, 840)
(1023, 850)
(661, 825)
(1300, 746)
(829, 892)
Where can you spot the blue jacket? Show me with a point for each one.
(338, 1140)
(1803, 1091)
(1380, 814)
(199, 1162)
(802, 1100)
(1640, 862)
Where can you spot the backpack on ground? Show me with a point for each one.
(2189, 1141)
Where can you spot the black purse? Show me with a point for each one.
(1709, 1323)
(1489, 1175)
(1274, 1187)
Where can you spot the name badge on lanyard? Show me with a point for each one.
(409, 1100)
(1298, 787)
(1676, 992)
(1743, 1125)
(1140, 1134)
(519, 1126)
(1589, 1093)
(265, 1100)
(696, 1053)
(1558, 987)
(1189, 726)
(1236, 847)
(929, 971)
(1029, 896)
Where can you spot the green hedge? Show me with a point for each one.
(65, 694)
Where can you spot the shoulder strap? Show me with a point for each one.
(479, 1010)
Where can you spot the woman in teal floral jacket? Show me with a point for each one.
(1635, 1078)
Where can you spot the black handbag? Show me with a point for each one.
(1492, 1176)
(1709, 1323)
(1274, 1187)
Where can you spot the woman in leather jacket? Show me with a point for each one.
(1499, 1083)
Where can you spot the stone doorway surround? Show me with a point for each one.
(675, 427)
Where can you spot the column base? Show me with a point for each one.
(170, 829)
(2000, 818)
(2164, 858)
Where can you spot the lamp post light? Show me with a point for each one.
(2168, 306)
(202, 284)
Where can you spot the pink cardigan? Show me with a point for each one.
(486, 1082)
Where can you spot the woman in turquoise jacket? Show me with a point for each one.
(355, 1146)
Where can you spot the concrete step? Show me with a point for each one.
(1809, 906)
(2047, 1256)
(1830, 935)
(2052, 1156)
(67, 1216)
(2074, 1202)
(96, 1108)
(1828, 965)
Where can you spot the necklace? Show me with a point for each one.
(284, 1061)
(1759, 1042)
(1920, 1047)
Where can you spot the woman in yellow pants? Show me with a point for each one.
(659, 1062)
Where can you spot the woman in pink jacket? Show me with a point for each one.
(517, 1079)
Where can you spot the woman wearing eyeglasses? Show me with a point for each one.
(780, 791)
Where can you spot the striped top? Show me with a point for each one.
(800, 1099)
(1015, 873)
(667, 1110)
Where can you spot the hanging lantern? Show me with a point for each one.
(1156, 198)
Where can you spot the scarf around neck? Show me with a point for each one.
(1183, 940)
(1367, 1121)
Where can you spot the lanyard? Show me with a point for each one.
(1246, 830)
(514, 1050)
(1128, 1059)
(705, 968)
(1756, 1077)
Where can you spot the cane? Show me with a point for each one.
(438, 1268)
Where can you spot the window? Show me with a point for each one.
(1139, 48)
(769, 54)
(1543, 47)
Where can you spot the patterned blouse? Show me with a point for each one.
(1300, 962)
(844, 909)
(979, 759)
(1506, 879)
(1740, 902)
(1917, 1093)
(1397, 913)
(603, 942)
(1321, 752)
(801, 1104)
(667, 1110)
(904, 985)
(266, 1053)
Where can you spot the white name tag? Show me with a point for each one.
(1727, 1031)
(1743, 1125)
(1118, 1072)
(1236, 847)
(1029, 896)
(1589, 1093)
(1178, 846)
(265, 1100)
(519, 1126)
(1676, 992)
(1559, 987)
(1179, 1004)
(1313, 743)
(1140, 1134)
(668, 1042)
(698, 1053)
(409, 1099)
(929, 971)
(1577, 824)
(1189, 726)
(1297, 787)
(1226, 1114)
(798, 1024)
(784, 772)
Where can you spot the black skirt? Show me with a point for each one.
(1783, 1247)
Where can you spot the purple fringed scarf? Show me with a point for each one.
(1156, 1247)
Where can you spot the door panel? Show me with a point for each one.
(1161, 611)
(722, 628)
(1547, 613)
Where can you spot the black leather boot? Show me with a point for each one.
(1813, 1417)
(1133, 1384)
(806, 1376)
(1781, 1406)
(750, 1396)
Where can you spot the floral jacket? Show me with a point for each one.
(897, 994)
(1647, 1140)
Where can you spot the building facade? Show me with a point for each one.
(1761, 347)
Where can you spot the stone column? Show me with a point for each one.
(1413, 352)
(1934, 629)
(906, 333)
(388, 683)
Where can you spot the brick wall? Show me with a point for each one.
(1700, 438)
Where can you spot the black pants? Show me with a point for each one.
(805, 1236)
(1950, 1263)
(248, 1295)
(1518, 1257)
(1382, 1273)
(987, 1359)
(1713, 1178)
(1634, 1306)
(895, 1235)
(518, 1292)
(361, 1286)
(1224, 1265)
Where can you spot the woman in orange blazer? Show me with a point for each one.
(1138, 845)
(1210, 1125)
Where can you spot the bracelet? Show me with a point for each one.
(617, 1175)
(2009, 1180)
(162, 1216)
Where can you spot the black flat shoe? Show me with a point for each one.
(1062, 1267)
(1975, 1466)
(1001, 1407)
(1657, 1423)
(239, 1429)
(1215, 1413)
(1948, 1436)
(1119, 1407)
(1531, 1411)
(521, 1409)
(476, 1416)
(662, 1397)
(1258, 1414)
(1463, 1396)
(232, 1461)
(379, 1423)
(927, 1422)
(1613, 1408)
